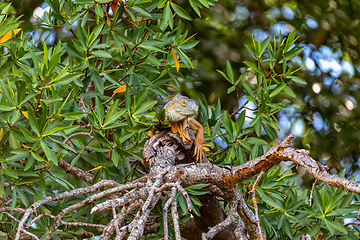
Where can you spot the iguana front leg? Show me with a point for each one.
(180, 127)
(199, 139)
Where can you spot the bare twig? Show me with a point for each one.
(78, 224)
(175, 216)
(165, 215)
(240, 231)
(78, 134)
(116, 222)
(110, 98)
(222, 150)
(11, 216)
(312, 191)
(238, 110)
(253, 192)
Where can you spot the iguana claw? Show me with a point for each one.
(198, 150)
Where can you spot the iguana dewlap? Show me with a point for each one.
(180, 112)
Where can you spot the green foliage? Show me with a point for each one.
(263, 81)
(88, 101)
(287, 212)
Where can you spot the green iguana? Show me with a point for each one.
(180, 112)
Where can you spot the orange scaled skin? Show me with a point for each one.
(180, 112)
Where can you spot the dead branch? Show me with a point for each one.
(172, 168)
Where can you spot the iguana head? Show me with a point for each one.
(179, 108)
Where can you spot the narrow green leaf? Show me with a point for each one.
(293, 52)
(272, 202)
(67, 78)
(195, 7)
(168, 15)
(230, 71)
(2, 186)
(287, 227)
(255, 140)
(264, 45)
(98, 149)
(240, 122)
(72, 51)
(60, 128)
(115, 157)
(224, 75)
(250, 51)
(188, 44)
(277, 90)
(8, 171)
(101, 53)
(74, 161)
(197, 186)
(180, 11)
(254, 67)
(184, 58)
(230, 89)
(258, 127)
(288, 91)
(113, 117)
(247, 89)
(99, 83)
(145, 106)
(13, 198)
(241, 77)
(98, 10)
(329, 226)
(34, 125)
(49, 153)
(317, 200)
(228, 124)
(37, 157)
(297, 79)
(6, 108)
(22, 197)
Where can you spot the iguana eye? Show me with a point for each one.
(183, 103)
